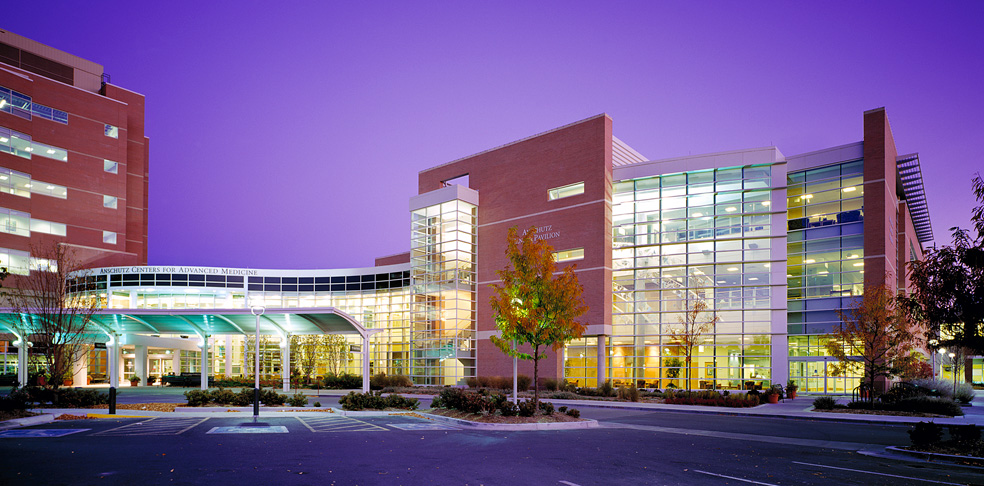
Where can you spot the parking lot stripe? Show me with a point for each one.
(877, 473)
(338, 424)
(155, 426)
(732, 477)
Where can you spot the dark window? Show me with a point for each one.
(256, 280)
(306, 288)
(322, 280)
(271, 280)
(338, 280)
(396, 275)
(353, 286)
(353, 279)
(271, 287)
(179, 283)
(322, 288)
(382, 276)
(290, 288)
(289, 280)
(383, 285)
(116, 278)
(368, 286)
(337, 287)
(368, 278)
(215, 284)
(306, 280)
(196, 284)
(215, 278)
(256, 287)
(179, 277)
(196, 278)
(163, 276)
(234, 279)
(146, 276)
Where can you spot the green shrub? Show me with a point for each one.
(573, 412)
(546, 408)
(940, 406)
(926, 434)
(244, 398)
(375, 401)
(450, 398)
(400, 381)
(317, 404)
(378, 381)
(523, 382)
(562, 409)
(298, 400)
(964, 393)
(398, 401)
(79, 398)
(631, 393)
(222, 396)
(471, 382)
(345, 381)
(526, 408)
(606, 389)
(197, 398)
(548, 384)
(501, 382)
(824, 403)
(568, 386)
(564, 395)
(964, 434)
(271, 398)
(508, 409)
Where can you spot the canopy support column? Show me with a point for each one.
(113, 355)
(285, 361)
(22, 346)
(204, 362)
(365, 363)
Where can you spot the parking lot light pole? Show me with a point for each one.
(953, 370)
(257, 311)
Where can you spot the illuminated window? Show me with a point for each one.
(569, 255)
(109, 237)
(15, 261)
(49, 227)
(566, 191)
(110, 166)
(49, 151)
(15, 143)
(16, 183)
(111, 131)
(15, 222)
(43, 264)
(48, 189)
(109, 202)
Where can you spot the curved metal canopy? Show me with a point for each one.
(213, 322)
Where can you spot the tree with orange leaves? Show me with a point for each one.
(876, 336)
(535, 304)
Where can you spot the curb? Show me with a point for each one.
(27, 421)
(968, 461)
(582, 424)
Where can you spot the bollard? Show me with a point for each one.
(112, 400)
(256, 402)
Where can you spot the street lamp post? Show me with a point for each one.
(257, 311)
(953, 370)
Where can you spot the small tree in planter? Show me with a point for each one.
(791, 388)
(134, 380)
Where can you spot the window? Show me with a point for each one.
(20, 105)
(16, 261)
(110, 166)
(49, 151)
(109, 237)
(49, 227)
(15, 222)
(569, 255)
(43, 264)
(109, 202)
(16, 183)
(111, 131)
(15, 143)
(48, 189)
(565, 191)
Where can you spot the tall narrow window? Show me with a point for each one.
(565, 191)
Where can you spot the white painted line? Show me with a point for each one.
(732, 477)
(568, 483)
(880, 474)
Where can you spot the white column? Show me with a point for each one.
(602, 361)
(204, 365)
(285, 362)
(140, 362)
(80, 370)
(176, 361)
(115, 363)
(22, 361)
(133, 299)
(228, 356)
(365, 363)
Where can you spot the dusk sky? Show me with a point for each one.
(290, 134)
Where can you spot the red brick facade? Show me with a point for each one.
(84, 174)
(513, 183)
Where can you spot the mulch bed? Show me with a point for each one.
(499, 419)
(16, 414)
(156, 407)
(66, 416)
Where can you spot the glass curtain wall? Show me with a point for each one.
(825, 270)
(701, 236)
(443, 291)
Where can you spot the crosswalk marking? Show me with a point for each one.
(338, 424)
(155, 426)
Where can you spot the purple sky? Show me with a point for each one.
(291, 137)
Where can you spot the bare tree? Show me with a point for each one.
(693, 326)
(55, 318)
(337, 352)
